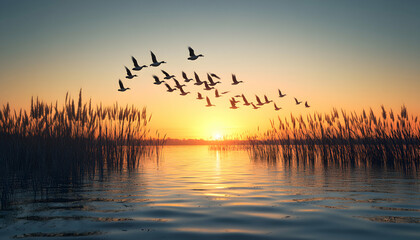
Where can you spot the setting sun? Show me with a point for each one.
(217, 136)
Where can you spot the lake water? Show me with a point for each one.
(192, 192)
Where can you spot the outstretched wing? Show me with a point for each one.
(191, 51)
(243, 97)
(214, 75)
(210, 79)
(156, 78)
(128, 71)
(176, 82)
(184, 75)
(169, 87)
(135, 62)
(153, 57)
(196, 77)
(234, 78)
(208, 101)
(121, 84)
(166, 74)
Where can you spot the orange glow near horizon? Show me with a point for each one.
(328, 60)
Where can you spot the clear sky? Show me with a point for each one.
(343, 54)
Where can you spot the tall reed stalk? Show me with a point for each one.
(388, 139)
(66, 143)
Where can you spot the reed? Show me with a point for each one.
(67, 143)
(387, 139)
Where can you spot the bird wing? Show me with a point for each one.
(296, 100)
(176, 82)
(216, 92)
(234, 78)
(166, 74)
(210, 79)
(128, 71)
(156, 78)
(169, 87)
(258, 99)
(196, 77)
(208, 101)
(243, 97)
(184, 75)
(199, 95)
(214, 75)
(135, 62)
(182, 90)
(153, 57)
(121, 84)
(191, 51)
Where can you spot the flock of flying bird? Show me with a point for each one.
(207, 85)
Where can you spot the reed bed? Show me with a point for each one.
(348, 138)
(64, 144)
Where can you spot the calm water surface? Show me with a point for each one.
(192, 192)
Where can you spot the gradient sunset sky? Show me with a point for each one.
(343, 54)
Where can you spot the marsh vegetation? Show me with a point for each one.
(65, 144)
(348, 138)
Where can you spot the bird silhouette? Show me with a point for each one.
(169, 88)
(255, 107)
(167, 76)
(211, 82)
(297, 102)
(259, 103)
(129, 75)
(280, 94)
(246, 103)
(215, 76)
(186, 79)
(122, 88)
(177, 85)
(209, 103)
(234, 100)
(136, 65)
(197, 79)
(233, 105)
(182, 92)
(266, 100)
(155, 62)
(306, 105)
(276, 108)
(199, 96)
(192, 55)
(157, 80)
(207, 87)
(235, 82)
(216, 93)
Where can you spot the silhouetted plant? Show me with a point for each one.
(52, 143)
(388, 140)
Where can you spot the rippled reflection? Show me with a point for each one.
(193, 192)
